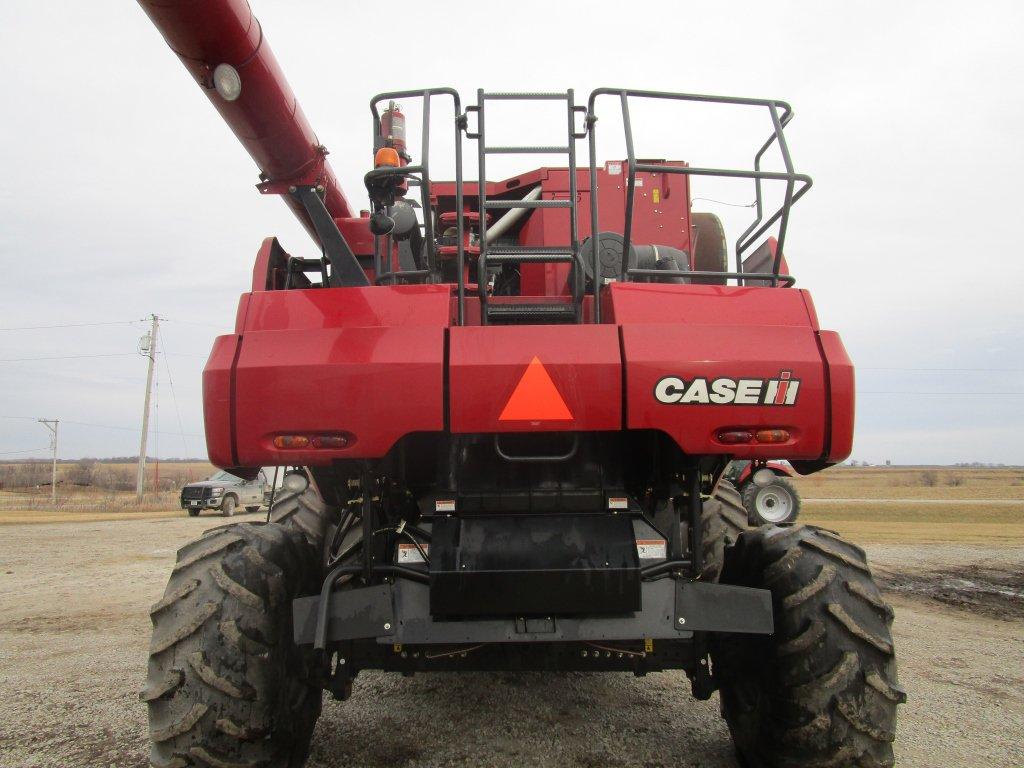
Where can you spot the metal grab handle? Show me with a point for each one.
(537, 459)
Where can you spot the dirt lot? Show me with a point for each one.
(74, 631)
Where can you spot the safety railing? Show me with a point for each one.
(751, 235)
(421, 174)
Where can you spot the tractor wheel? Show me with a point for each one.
(711, 253)
(306, 513)
(772, 504)
(227, 507)
(724, 519)
(226, 685)
(822, 690)
(252, 510)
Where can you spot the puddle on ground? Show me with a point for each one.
(995, 592)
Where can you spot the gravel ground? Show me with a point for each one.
(74, 632)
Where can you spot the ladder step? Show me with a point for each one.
(526, 150)
(504, 253)
(535, 96)
(531, 258)
(528, 204)
(555, 311)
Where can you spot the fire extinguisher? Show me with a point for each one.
(392, 128)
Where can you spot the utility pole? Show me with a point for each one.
(147, 347)
(52, 425)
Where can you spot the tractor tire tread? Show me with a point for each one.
(822, 691)
(224, 673)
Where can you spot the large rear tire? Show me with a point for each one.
(822, 690)
(226, 685)
(723, 521)
(307, 514)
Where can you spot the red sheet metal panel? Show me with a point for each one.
(371, 385)
(703, 359)
(842, 396)
(365, 363)
(535, 378)
(217, 401)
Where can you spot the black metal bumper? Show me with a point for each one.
(671, 609)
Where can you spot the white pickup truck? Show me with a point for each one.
(225, 492)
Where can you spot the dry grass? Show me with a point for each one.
(946, 519)
(84, 505)
(913, 483)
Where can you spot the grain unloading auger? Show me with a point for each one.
(512, 409)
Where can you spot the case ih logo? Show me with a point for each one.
(672, 390)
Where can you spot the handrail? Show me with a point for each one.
(756, 230)
(423, 171)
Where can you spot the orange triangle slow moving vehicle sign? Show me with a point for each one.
(535, 398)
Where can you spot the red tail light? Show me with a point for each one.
(330, 441)
(735, 436)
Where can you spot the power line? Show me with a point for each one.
(93, 424)
(111, 426)
(64, 357)
(946, 394)
(68, 325)
(174, 399)
(942, 370)
(192, 322)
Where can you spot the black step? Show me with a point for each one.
(528, 204)
(531, 311)
(526, 150)
(500, 254)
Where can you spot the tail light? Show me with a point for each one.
(735, 436)
(772, 435)
(330, 441)
(291, 441)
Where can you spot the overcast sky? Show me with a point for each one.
(122, 193)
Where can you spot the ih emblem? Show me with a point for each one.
(672, 390)
(535, 398)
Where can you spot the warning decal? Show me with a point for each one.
(536, 398)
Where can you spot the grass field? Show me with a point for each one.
(875, 504)
(76, 503)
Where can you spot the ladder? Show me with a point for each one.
(554, 309)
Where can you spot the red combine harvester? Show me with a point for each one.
(512, 409)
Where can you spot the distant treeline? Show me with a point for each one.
(115, 474)
(110, 460)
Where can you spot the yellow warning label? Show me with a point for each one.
(648, 645)
(655, 195)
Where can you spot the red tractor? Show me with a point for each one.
(513, 402)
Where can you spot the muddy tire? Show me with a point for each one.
(822, 690)
(193, 512)
(226, 685)
(723, 521)
(774, 504)
(227, 507)
(307, 514)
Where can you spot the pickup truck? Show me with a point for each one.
(225, 492)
